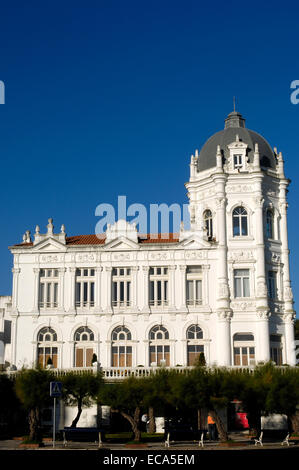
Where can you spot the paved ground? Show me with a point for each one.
(243, 443)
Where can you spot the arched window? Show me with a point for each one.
(121, 350)
(244, 351)
(240, 222)
(208, 223)
(47, 347)
(194, 344)
(159, 347)
(269, 223)
(84, 346)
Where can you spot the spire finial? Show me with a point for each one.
(234, 101)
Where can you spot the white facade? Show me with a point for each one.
(222, 287)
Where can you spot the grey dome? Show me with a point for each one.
(235, 124)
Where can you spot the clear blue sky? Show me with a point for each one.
(108, 98)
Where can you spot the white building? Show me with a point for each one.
(222, 287)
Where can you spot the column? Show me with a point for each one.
(108, 308)
(288, 319)
(263, 336)
(98, 291)
(35, 309)
(145, 308)
(223, 298)
(72, 306)
(287, 290)
(172, 287)
(134, 292)
(183, 303)
(61, 289)
(224, 341)
(15, 288)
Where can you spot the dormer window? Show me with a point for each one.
(238, 162)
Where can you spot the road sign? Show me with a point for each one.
(55, 389)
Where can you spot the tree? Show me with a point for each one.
(32, 388)
(80, 390)
(127, 398)
(212, 389)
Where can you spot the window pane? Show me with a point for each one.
(236, 226)
(198, 290)
(189, 290)
(152, 291)
(238, 289)
(246, 287)
(244, 226)
(165, 291)
(92, 292)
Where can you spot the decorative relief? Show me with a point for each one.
(220, 202)
(275, 258)
(261, 290)
(85, 257)
(225, 315)
(263, 315)
(199, 254)
(244, 306)
(289, 317)
(223, 290)
(287, 293)
(239, 188)
(121, 256)
(159, 256)
(50, 258)
(259, 201)
(241, 255)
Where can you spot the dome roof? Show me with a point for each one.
(235, 124)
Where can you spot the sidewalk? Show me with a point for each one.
(240, 442)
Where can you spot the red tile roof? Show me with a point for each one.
(99, 239)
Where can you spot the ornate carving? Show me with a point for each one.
(244, 306)
(225, 315)
(261, 290)
(289, 317)
(85, 257)
(49, 259)
(259, 201)
(159, 256)
(223, 290)
(220, 202)
(121, 256)
(241, 255)
(287, 293)
(240, 188)
(199, 254)
(263, 314)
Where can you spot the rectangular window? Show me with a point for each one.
(158, 286)
(48, 288)
(84, 288)
(121, 287)
(238, 162)
(194, 285)
(241, 283)
(272, 290)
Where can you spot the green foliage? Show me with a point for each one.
(32, 387)
(83, 388)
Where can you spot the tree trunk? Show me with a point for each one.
(295, 422)
(75, 421)
(133, 420)
(34, 425)
(151, 417)
(223, 435)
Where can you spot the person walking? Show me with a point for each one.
(211, 428)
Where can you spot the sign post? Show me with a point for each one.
(55, 392)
